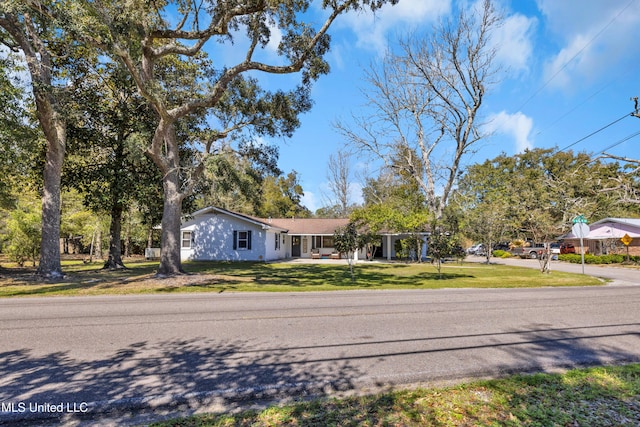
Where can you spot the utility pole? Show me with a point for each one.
(636, 112)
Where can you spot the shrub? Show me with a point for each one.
(24, 234)
(499, 253)
(574, 258)
(596, 259)
(612, 259)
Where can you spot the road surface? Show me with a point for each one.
(93, 357)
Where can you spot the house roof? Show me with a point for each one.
(633, 222)
(326, 226)
(253, 220)
(308, 226)
(611, 228)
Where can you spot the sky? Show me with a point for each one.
(570, 67)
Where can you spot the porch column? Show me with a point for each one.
(388, 247)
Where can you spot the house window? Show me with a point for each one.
(186, 239)
(277, 241)
(242, 240)
(327, 241)
(322, 242)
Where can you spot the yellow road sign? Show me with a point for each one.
(626, 239)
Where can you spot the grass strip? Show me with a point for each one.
(89, 279)
(600, 396)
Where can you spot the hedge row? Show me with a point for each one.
(598, 259)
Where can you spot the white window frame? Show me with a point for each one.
(243, 242)
(186, 237)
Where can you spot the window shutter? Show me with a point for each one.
(249, 240)
(235, 240)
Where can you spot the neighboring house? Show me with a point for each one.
(216, 234)
(604, 236)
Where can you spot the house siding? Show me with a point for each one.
(213, 239)
(213, 232)
(271, 252)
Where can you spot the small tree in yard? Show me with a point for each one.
(370, 242)
(441, 245)
(24, 227)
(346, 242)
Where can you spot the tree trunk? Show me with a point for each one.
(114, 260)
(49, 266)
(127, 235)
(170, 263)
(150, 238)
(169, 163)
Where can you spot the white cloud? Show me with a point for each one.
(372, 29)
(20, 76)
(310, 200)
(275, 39)
(517, 126)
(513, 41)
(595, 37)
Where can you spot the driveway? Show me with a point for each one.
(618, 275)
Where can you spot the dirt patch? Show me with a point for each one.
(182, 280)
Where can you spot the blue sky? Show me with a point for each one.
(571, 68)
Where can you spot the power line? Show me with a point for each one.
(576, 55)
(633, 135)
(595, 132)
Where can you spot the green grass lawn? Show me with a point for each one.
(88, 278)
(603, 396)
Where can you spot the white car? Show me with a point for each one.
(477, 249)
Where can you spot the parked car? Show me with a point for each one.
(529, 250)
(477, 249)
(567, 248)
(502, 246)
(555, 248)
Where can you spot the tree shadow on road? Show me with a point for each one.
(164, 378)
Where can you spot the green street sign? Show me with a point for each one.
(580, 219)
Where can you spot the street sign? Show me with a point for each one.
(580, 219)
(580, 230)
(626, 240)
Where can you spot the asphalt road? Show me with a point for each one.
(85, 358)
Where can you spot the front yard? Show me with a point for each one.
(88, 279)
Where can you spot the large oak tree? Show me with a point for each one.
(143, 34)
(32, 32)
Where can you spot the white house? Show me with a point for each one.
(216, 234)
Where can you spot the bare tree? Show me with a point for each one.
(625, 184)
(339, 180)
(426, 101)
